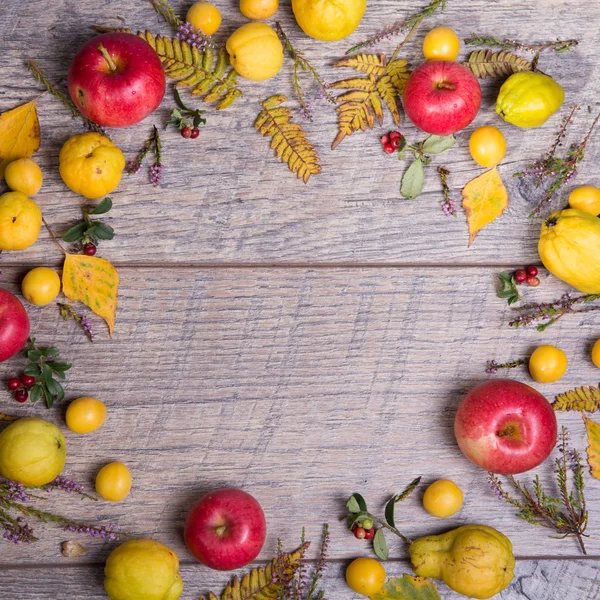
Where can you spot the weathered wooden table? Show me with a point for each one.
(300, 342)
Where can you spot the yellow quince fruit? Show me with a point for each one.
(20, 221)
(91, 165)
(329, 20)
(255, 51)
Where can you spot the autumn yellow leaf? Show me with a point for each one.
(19, 134)
(93, 281)
(593, 450)
(484, 200)
(407, 588)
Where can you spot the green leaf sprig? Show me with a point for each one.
(45, 366)
(88, 231)
(180, 116)
(413, 179)
(359, 513)
(508, 288)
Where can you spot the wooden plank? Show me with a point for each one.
(225, 199)
(299, 385)
(534, 580)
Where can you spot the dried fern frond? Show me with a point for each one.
(289, 140)
(263, 584)
(486, 63)
(585, 398)
(362, 104)
(206, 73)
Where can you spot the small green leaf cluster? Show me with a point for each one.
(508, 288)
(413, 179)
(180, 116)
(88, 231)
(359, 513)
(45, 366)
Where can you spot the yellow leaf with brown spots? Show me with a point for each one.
(593, 450)
(19, 134)
(407, 588)
(484, 200)
(93, 281)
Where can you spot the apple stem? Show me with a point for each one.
(107, 58)
(445, 85)
(221, 530)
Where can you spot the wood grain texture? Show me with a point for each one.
(226, 199)
(301, 386)
(534, 580)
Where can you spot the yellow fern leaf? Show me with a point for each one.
(289, 140)
(204, 73)
(362, 104)
(586, 398)
(263, 583)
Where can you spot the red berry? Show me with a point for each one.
(384, 139)
(532, 271)
(195, 133)
(89, 249)
(520, 275)
(369, 534)
(533, 281)
(359, 533)
(389, 148)
(21, 396)
(395, 135)
(14, 383)
(27, 380)
(396, 142)
(186, 132)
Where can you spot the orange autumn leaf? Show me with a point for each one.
(593, 450)
(93, 281)
(19, 134)
(484, 200)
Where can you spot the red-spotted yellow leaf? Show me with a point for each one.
(19, 134)
(93, 281)
(484, 200)
(407, 588)
(593, 450)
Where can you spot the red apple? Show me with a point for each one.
(505, 426)
(116, 79)
(442, 97)
(226, 529)
(14, 325)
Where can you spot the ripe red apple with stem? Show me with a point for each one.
(14, 325)
(442, 97)
(116, 79)
(226, 529)
(505, 426)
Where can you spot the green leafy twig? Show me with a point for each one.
(413, 179)
(398, 27)
(88, 231)
(566, 513)
(40, 76)
(508, 44)
(553, 173)
(508, 288)
(44, 365)
(67, 312)
(182, 116)
(167, 12)
(301, 63)
(545, 314)
(359, 514)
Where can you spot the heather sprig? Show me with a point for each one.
(89, 231)
(40, 76)
(67, 312)
(493, 367)
(15, 507)
(45, 366)
(448, 205)
(301, 63)
(552, 172)
(154, 144)
(508, 44)
(358, 513)
(409, 24)
(565, 513)
(545, 314)
(186, 32)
